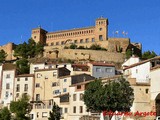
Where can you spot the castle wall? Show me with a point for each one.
(77, 54)
(8, 48)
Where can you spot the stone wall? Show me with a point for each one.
(77, 54)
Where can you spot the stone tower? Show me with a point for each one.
(101, 29)
(39, 35)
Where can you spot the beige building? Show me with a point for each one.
(24, 84)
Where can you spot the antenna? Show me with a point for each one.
(21, 40)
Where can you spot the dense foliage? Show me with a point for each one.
(3, 55)
(22, 66)
(28, 50)
(148, 54)
(55, 113)
(115, 95)
(5, 114)
(21, 108)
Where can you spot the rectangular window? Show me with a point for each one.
(7, 94)
(37, 85)
(65, 80)
(74, 109)
(26, 87)
(54, 84)
(100, 37)
(98, 69)
(17, 95)
(108, 70)
(81, 40)
(8, 76)
(57, 43)
(75, 41)
(18, 88)
(37, 97)
(93, 40)
(81, 96)
(36, 68)
(7, 86)
(64, 89)
(87, 40)
(66, 110)
(26, 79)
(56, 92)
(62, 43)
(78, 86)
(31, 116)
(18, 79)
(74, 97)
(81, 109)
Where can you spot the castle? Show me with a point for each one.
(56, 41)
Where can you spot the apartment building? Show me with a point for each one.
(24, 84)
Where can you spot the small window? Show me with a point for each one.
(31, 116)
(100, 29)
(64, 89)
(7, 94)
(74, 97)
(54, 84)
(75, 41)
(65, 80)
(65, 110)
(56, 92)
(57, 43)
(93, 40)
(18, 88)
(8, 76)
(87, 40)
(26, 87)
(52, 44)
(81, 40)
(18, 79)
(100, 37)
(78, 86)
(7, 86)
(26, 79)
(74, 109)
(37, 97)
(98, 69)
(108, 70)
(37, 85)
(36, 68)
(81, 96)
(81, 109)
(17, 95)
(147, 90)
(34, 37)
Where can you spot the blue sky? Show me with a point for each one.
(140, 18)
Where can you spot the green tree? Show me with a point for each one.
(5, 114)
(22, 66)
(3, 55)
(128, 53)
(55, 113)
(73, 46)
(115, 95)
(148, 54)
(21, 108)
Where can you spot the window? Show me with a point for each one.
(64, 89)
(54, 84)
(108, 70)
(98, 69)
(65, 80)
(56, 92)
(93, 40)
(136, 70)
(65, 110)
(74, 97)
(37, 114)
(18, 79)
(52, 44)
(78, 86)
(26, 79)
(100, 29)
(7, 94)
(57, 43)
(7, 86)
(8, 76)
(75, 41)
(34, 37)
(147, 90)
(62, 43)
(81, 109)
(37, 85)
(74, 109)
(81, 96)
(101, 37)
(18, 88)
(26, 87)
(87, 40)
(36, 68)
(44, 114)
(37, 97)
(31, 116)
(81, 40)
